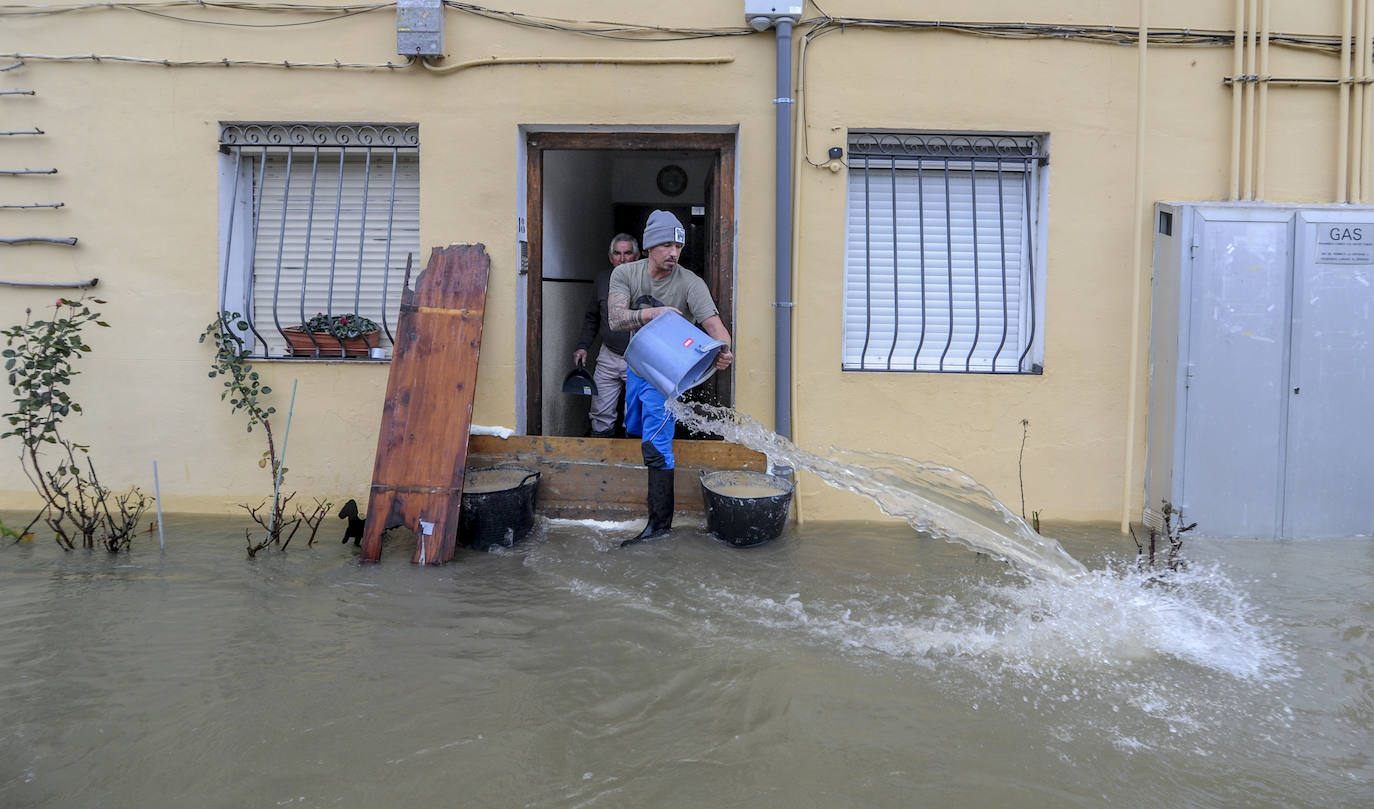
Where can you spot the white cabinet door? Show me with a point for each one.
(1235, 355)
(1330, 454)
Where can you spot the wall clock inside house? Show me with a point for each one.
(672, 180)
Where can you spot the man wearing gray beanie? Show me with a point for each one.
(641, 291)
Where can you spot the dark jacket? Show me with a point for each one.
(594, 322)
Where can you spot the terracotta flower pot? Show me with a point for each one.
(300, 344)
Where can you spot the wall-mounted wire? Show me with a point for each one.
(53, 284)
(223, 62)
(453, 67)
(1110, 34)
(1090, 34)
(30, 10)
(596, 28)
(69, 241)
(335, 17)
(818, 29)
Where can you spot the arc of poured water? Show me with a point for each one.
(936, 500)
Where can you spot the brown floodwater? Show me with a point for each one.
(745, 485)
(841, 665)
(495, 479)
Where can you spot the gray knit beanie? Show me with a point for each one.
(663, 227)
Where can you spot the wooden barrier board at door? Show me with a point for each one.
(417, 477)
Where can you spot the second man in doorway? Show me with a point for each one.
(610, 360)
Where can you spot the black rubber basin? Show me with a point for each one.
(745, 508)
(498, 506)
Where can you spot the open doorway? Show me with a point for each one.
(582, 189)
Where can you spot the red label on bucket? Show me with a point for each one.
(688, 342)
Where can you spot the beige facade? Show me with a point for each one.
(131, 106)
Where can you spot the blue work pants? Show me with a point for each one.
(646, 415)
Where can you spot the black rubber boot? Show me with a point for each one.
(607, 433)
(660, 506)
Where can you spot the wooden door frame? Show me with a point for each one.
(722, 280)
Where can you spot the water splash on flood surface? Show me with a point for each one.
(1118, 631)
(1108, 627)
(936, 500)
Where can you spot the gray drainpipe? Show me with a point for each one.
(782, 406)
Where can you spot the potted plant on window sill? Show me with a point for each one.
(349, 335)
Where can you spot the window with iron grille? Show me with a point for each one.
(316, 218)
(943, 256)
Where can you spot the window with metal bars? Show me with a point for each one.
(316, 219)
(943, 260)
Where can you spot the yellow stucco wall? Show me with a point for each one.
(135, 145)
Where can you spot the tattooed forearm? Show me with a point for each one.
(618, 313)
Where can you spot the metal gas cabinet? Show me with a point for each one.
(1262, 369)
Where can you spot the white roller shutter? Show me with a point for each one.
(957, 297)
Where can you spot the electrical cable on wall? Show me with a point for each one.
(818, 27)
(453, 67)
(1102, 34)
(70, 241)
(1105, 34)
(90, 284)
(224, 62)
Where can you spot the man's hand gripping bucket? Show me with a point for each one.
(672, 354)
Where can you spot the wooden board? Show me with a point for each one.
(603, 478)
(417, 477)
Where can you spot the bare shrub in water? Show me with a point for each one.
(1150, 555)
(40, 362)
(1021, 479)
(311, 520)
(243, 389)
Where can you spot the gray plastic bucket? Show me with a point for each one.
(672, 354)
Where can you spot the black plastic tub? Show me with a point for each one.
(498, 506)
(745, 508)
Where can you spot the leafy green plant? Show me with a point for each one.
(40, 360)
(241, 382)
(245, 391)
(14, 533)
(341, 326)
